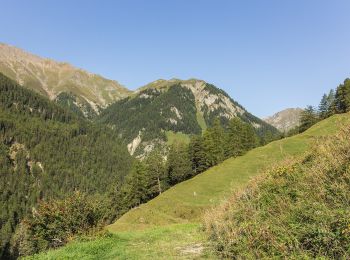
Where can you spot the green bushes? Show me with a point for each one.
(53, 224)
(300, 209)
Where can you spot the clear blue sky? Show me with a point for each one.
(267, 54)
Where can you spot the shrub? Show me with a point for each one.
(53, 224)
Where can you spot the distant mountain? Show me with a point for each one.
(285, 119)
(81, 89)
(156, 111)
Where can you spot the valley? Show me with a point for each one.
(170, 223)
(93, 170)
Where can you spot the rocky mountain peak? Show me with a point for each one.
(50, 78)
(285, 119)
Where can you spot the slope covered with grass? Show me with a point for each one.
(180, 209)
(299, 209)
(186, 201)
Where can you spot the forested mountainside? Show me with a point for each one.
(78, 106)
(47, 152)
(50, 78)
(188, 106)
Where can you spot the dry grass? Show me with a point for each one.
(299, 209)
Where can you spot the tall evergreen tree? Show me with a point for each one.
(197, 154)
(331, 103)
(178, 164)
(214, 144)
(155, 173)
(308, 118)
(234, 145)
(249, 137)
(342, 97)
(323, 107)
(241, 137)
(136, 188)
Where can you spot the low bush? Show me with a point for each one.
(54, 223)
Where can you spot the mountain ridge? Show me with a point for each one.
(182, 106)
(50, 78)
(89, 95)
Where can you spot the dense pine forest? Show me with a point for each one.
(46, 153)
(131, 114)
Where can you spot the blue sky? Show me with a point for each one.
(268, 55)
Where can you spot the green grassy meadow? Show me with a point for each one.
(178, 137)
(169, 226)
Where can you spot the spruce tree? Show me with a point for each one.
(197, 154)
(136, 188)
(250, 139)
(214, 144)
(234, 145)
(342, 97)
(331, 103)
(155, 173)
(323, 107)
(308, 118)
(178, 164)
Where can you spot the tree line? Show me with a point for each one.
(334, 102)
(152, 176)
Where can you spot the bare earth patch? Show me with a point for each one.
(194, 249)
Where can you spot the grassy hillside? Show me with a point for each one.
(186, 201)
(298, 209)
(178, 211)
(178, 137)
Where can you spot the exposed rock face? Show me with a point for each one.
(134, 144)
(212, 101)
(50, 78)
(15, 149)
(285, 119)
